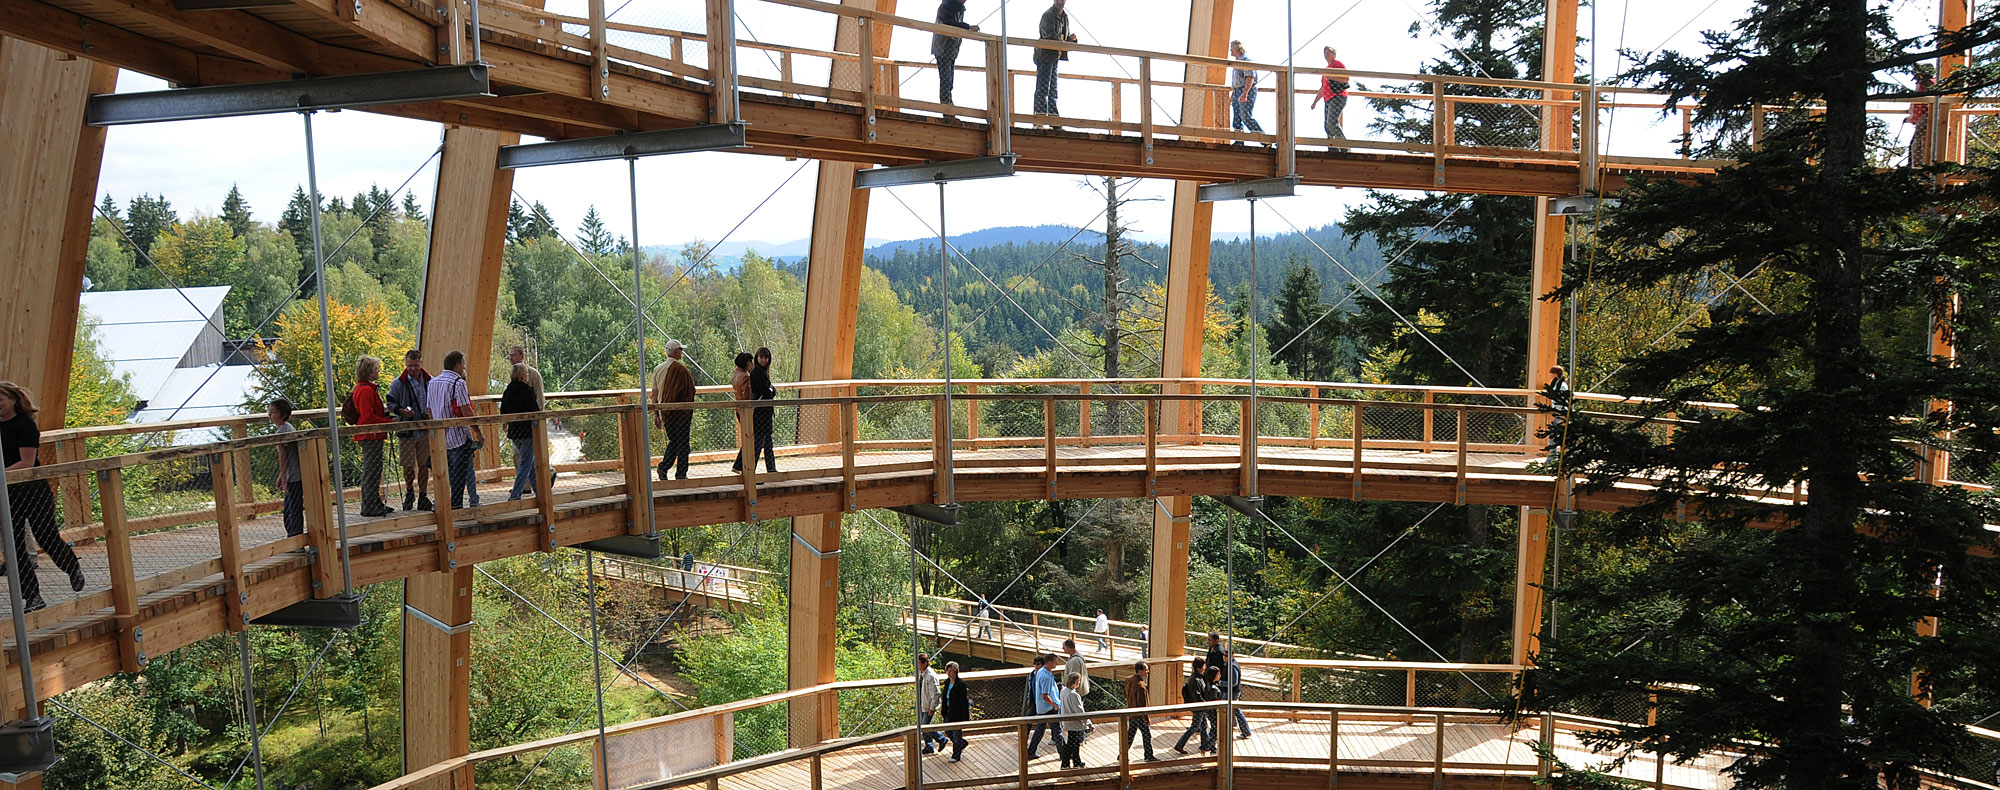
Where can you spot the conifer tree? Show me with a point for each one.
(146, 217)
(297, 223)
(592, 237)
(236, 212)
(1303, 337)
(411, 209)
(1797, 626)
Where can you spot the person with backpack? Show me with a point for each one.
(1333, 91)
(408, 402)
(364, 408)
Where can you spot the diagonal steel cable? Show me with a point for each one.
(1349, 582)
(1351, 574)
(64, 707)
(1425, 336)
(579, 637)
(1692, 314)
(311, 670)
(706, 258)
(1407, 249)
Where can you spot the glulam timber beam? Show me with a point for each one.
(833, 295)
(1185, 322)
(245, 36)
(48, 170)
(1545, 324)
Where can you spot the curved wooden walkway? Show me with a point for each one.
(162, 581)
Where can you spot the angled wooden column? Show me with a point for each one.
(468, 236)
(1187, 309)
(833, 294)
(48, 172)
(1544, 328)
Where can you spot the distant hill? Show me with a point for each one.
(992, 237)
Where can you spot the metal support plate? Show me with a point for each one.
(644, 547)
(28, 746)
(936, 514)
(338, 611)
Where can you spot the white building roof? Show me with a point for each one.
(145, 333)
(198, 393)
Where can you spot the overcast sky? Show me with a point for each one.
(704, 196)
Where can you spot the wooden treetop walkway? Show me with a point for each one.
(1127, 112)
(166, 567)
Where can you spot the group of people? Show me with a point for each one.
(414, 396)
(751, 380)
(1055, 27)
(1057, 686)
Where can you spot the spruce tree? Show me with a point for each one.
(236, 212)
(109, 209)
(146, 217)
(297, 223)
(411, 209)
(1797, 626)
(593, 238)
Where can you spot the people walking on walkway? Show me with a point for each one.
(945, 47)
(673, 384)
(1213, 657)
(1136, 687)
(927, 704)
(519, 398)
(450, 397)
(409, 402)
(983, 611)
(1560, 398)
(1055, 27)
(1073, 729)
(957, 704)
(739, 388)
(1074, 665)
(1043, 686)
(32, 504)
(1232, 687)
(1333, 92)
(762, 416)
(1194, 691)
(365, 401)
(1242, 93)
(1102, 628)
(290, 480)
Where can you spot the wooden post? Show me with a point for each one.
(1152, 448)
(1125, 750)
(1440, 129)
(1437, 755)
(1049, 443)
(1146, 111)
(850, 416)
(1357, 451)
(1333, 749)
(75, 489)
(447, 541)
(638, 463)
(999, 116)
(867, 80)
(1410, 688)
(722, 61)
(545, 481)
(723, 749)
(1430, 413)
(124, 581)
(940, 451)
(1083, 412)
(1246, 447)
(234, 593)
(1288, 138)
(1117, 102)
(1312, 418)
(1548, 742)
(746, 449)
(818, 772)
(1021, 756)
(320, 526)
(1463, 456)
(600, 57)
(972, 417)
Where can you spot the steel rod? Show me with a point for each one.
(639, 327)
(326, 358)
(944, 300)
(250, 707)
(27, 664)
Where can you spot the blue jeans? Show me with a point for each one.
(932, 736)
(458, 464)
(524, 467)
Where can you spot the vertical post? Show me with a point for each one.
(972, 417)
(868, 70)
(723, 104)
(1288, 138)
(1049, 443)
(124, 582)
(1312, 418)
(235, 595)
(1146, 111)
(545, 485)
(1083, 413)
(600, 56)
(447, 542)
(1430, 413)
(75, 489)
(1125, 749)
(250, 707)
(944, 316)
(1357, 450)
(849, 416)
(319, 507)
(1021, 756)
(746, 449)
(326, 345)
(246, 493)
(1152, 413)
(1440, 129)
(1437, 755)
(1333, 749)
(1246, 444)
(1463, 456)
(1410, 688)
(642, 508)
(999, 111)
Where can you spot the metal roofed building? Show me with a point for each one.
(170, 343)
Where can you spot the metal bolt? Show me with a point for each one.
(138, 634)
(357, 7)
(243, 596)
(451, 546)
(453, 565)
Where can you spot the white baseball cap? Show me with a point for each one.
(674, 345)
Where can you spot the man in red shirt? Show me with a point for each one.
(1333, 91)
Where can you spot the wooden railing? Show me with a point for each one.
(1129, 92)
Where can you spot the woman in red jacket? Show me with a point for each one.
(367, 402)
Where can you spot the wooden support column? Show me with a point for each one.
(1187, 307)
(1544, 329)
(833, 295)
(468, 237)
(48, 168)
(437, 669)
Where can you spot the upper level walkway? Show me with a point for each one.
(166, 566)
(807, 91)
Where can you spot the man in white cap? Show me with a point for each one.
(672, 383)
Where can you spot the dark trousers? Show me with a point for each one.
(1241, 114)
(760, 442)
(371, 478)
(458, 464)
(931, 736)
(295, 508)
(1204, 725)
(947, 77)
(1141, 731)
(33, 505)
(1045, 86)
(678, 448)
(1334, 107)
(1053, 728)
(957, 742)
(1072, 748)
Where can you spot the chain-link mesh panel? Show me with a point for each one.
(1485, 124)
(1340, 686)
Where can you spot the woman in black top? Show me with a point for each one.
(761, 389)
(519, 398)
(33, 504)
(957, 707)
(945, 48)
